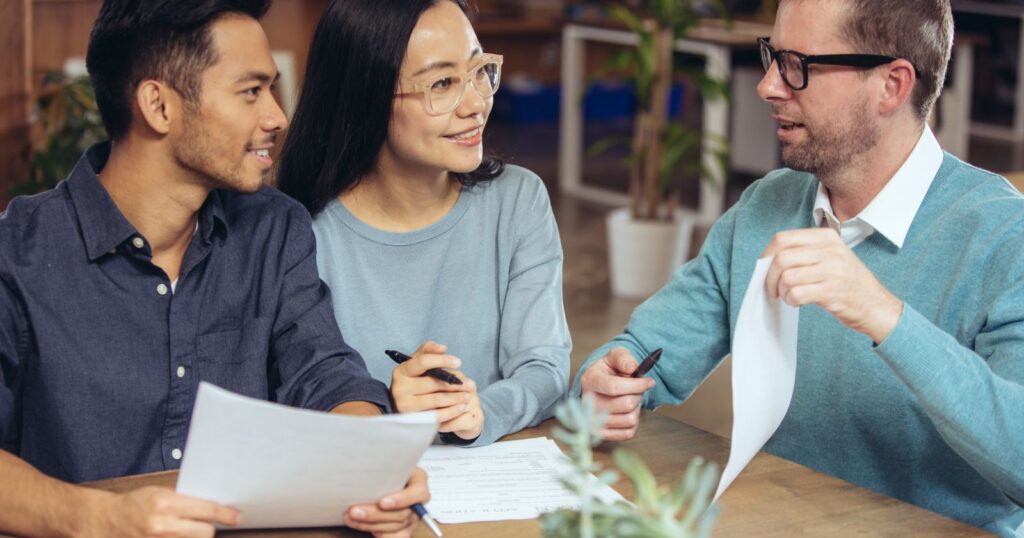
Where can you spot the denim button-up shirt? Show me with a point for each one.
(100, 358)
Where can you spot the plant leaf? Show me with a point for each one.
(625, 16)
(606, 143)
(638, 473)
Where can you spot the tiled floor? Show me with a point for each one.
(595, 315)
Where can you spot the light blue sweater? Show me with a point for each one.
(485, 280)
(934, 415)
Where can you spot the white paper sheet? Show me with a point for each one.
(763, 372)
(506, 480)
(288, 467)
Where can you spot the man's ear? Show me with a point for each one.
(159, 105)
(898, 86)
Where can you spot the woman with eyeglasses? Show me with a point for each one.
(428, 248)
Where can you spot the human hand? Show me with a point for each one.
(814, 266)
(157, 512)
(412, 391)
(470, 423)
(391, 517)
(614, 391)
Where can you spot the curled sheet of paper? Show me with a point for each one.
(763, 372)
(288, 467)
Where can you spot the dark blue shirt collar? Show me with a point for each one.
(103, 225)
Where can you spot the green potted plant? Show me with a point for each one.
(684, 511)
(67, 123)
(648, 240)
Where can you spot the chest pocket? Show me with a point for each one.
(236, 359)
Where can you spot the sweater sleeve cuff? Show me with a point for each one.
(450, 438)
(913, 347)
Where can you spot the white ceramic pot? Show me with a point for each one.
(644, 254)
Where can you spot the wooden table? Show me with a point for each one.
(1016, 179)
(772, 497)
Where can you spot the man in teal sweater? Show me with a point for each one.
(908, 265)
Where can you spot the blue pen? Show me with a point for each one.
(425, 518)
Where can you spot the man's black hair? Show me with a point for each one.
(166, 40)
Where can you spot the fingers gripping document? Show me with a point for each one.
(287, 467)
(763, 372)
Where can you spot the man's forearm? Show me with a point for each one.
(364, 409)
(33, 504)
(970, 396)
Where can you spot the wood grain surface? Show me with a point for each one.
(773, 497)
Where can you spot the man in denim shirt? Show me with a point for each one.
(162, 261)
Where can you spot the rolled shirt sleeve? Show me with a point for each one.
(317, 369)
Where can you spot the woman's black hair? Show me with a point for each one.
(341, 122)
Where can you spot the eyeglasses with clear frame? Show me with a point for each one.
(443, 94)
(793, 65)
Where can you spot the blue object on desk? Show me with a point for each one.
(606, 101)
(527, 103)
(534, 102)
(427, 520)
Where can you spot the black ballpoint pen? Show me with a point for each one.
(436, 373)
(647, 364)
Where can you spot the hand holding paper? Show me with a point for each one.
(814, 266)
(394, 512)
(154, 511)
(287, 467)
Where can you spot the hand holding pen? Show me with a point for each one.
(429, 381)
(617, 383)
(396, 513)
(439, 374)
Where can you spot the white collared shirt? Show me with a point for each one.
(893, 209)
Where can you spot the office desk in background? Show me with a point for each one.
(773, 497)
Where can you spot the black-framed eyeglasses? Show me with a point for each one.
(793, 65)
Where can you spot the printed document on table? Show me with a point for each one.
(288, 467)
(506, 480)
(763, 372)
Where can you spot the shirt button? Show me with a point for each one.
(176, 453)
(181, 371)
(162, 289)
(138, 242)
